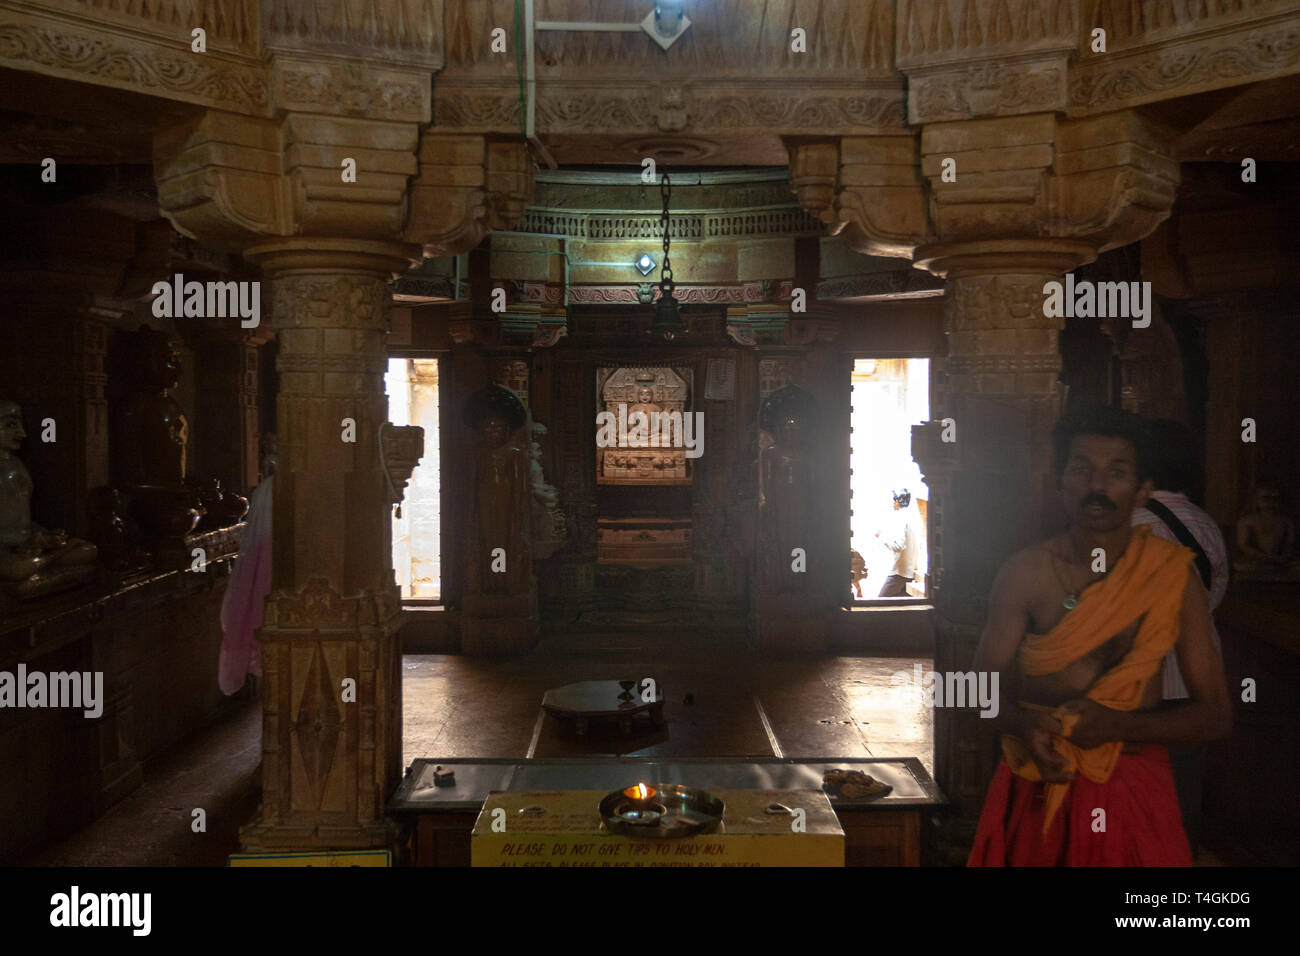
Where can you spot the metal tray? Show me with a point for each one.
(686, 811)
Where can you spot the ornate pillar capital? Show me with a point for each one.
(467, 186)
(240, 181)
(1099, 182)
(866, 188)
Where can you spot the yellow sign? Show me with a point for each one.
(567, 831)
(323, 858)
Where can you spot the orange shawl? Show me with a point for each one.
(1147, 582)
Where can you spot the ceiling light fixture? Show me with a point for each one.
(666, 22)
(644, 264)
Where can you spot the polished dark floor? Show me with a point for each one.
(456, 707)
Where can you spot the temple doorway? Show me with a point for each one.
(412, 386)
(889, 501)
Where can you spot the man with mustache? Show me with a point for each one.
(1077, 628)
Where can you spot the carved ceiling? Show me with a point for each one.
(1261, 121)
(42, 116)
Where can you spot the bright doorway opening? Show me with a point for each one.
(412, 386)
(889, 507)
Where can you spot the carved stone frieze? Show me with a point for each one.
(111, 59)
(792, 221)
(357, 302)
(332, 364)
(1183, 65)
(579, 109)
(318, 606)
(587, 294)
(350, 89)
(988, 89)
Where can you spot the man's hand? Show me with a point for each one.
(1097, 725)
(1037, 732)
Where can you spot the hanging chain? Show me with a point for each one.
(666, 283)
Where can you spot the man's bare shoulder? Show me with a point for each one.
(1027, 563)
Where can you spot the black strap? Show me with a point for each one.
(1161, 511)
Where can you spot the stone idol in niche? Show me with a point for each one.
(151, 438)
(1266, 538)
(655, 433)
(500, 559)
(34, 562)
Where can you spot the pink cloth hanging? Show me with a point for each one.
(241, 610)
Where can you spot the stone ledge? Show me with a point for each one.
(42, 627)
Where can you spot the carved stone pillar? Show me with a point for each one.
(1032, 199)
(1017, 196)
(994, 483)
(330, 757)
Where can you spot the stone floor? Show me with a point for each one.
(834, 707)
(457, 707)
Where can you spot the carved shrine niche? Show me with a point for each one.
(646, 419)
(512, 374)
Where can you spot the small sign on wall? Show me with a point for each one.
(720, 380)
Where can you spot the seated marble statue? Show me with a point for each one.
(38, 561)
(1266, 536)
(646, 405)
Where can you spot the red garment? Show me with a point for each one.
(1144, 826)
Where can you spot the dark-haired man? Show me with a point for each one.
(1173, 516)
(1078, 627)
(901, 538)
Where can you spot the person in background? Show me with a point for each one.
(901, 538)
(250, 581)
(1173, 516)
(857, 572)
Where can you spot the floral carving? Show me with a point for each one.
(1187, 68)
(330, 301)
(232, 87)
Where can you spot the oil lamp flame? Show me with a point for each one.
(639, 792)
